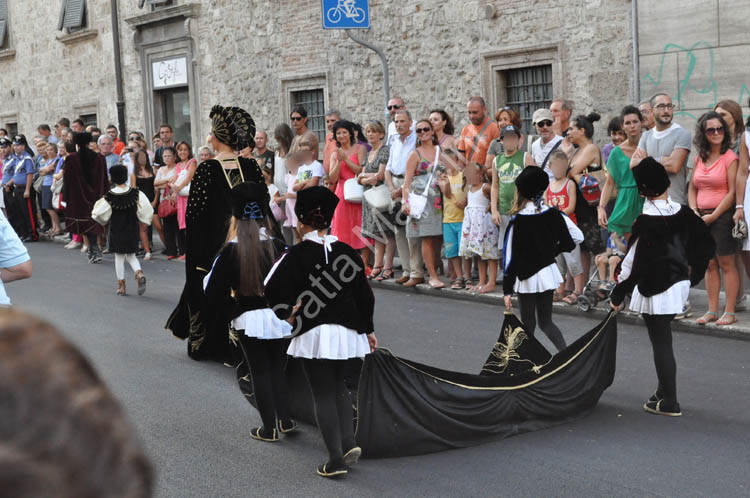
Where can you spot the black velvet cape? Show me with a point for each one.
(405, 408)
(207, 222)
(124, 230)
(336, 292)
(670, 249)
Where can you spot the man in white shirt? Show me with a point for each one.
(547, 142)
(409, 250)
(394, 105)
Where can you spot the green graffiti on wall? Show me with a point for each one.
(696, 77)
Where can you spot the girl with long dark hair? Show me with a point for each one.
(234, 291)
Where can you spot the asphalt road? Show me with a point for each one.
(194, 421)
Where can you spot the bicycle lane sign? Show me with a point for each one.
(346, 14)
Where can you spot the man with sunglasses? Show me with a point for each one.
(548, 140)
(669, 143)
(395, 105)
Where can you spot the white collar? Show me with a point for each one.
(530, 208)
(119, 190)
(660, 207)
(661, 134)
(325, 241)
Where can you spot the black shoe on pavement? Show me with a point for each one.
(333, 469)
(663, 407)
(351, 457)
(263, 435)
(287, 426)
(657, 396)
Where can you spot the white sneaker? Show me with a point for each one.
(84, 249)
(73, 245)
(147, 256)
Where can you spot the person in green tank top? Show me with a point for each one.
(629, 203)
(506, 168)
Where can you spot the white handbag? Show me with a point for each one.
(353, 191)
(418, 202)
(184, 191)
(379, 198)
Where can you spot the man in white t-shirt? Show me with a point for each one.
(547, 142)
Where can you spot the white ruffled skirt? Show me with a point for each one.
(548, 278)
(262, 324)
(669, 302)
(329, 342)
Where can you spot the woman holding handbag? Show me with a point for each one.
(376, 224)
(168, 204)
(589, 174)
(346, 165)
(421, 184)
(181, 185)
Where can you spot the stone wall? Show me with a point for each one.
(697, 53)
(249, 52)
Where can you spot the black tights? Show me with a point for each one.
(660, 332)
(333, 406)
(266, 359)
(539, 305)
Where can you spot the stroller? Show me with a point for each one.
(594, 292)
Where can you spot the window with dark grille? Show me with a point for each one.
(314, 103)
(72, 15)
(4, 43)
(88, 119)
(528, 89)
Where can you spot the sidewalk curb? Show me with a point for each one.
(687, 325)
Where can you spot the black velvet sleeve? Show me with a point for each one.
(564, 240)
(218, 290)
(701, 247)
(281, 290)
(622, 289)
(509, 270)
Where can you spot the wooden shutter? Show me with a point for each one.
(72, 14)
(3, 21)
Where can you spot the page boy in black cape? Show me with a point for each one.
(207, 221)
(320, 286)
(668, 252)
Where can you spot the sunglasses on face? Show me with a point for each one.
(423, 130)
(544, 124)
(715, 131)
(296, 118)
(393, 107)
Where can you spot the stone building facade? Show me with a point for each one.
(179, 57)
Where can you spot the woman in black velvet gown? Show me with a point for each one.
(208, 214)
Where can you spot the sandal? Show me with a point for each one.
(436, 284)
(458, 284)
(571, 299)
(385, 275)
(727, 319)
(557, 297)
(469, 284)
(706, 318)
(375, 271)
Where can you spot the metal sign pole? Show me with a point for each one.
(386, 84)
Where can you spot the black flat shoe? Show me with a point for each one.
(663, 407)
(657, 396)
(287, 426)
(332, 470)
(351, 457)
(268, 436)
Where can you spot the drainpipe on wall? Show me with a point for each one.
(636, 61)
(120, 102)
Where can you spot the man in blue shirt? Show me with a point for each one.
(23, 177)
(15, 263)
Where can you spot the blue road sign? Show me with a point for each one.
(346, 14)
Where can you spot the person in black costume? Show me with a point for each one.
(535, 236)
(123, 207)
(234, 291)
(207, 220)
(668, 252)
(320, 286)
